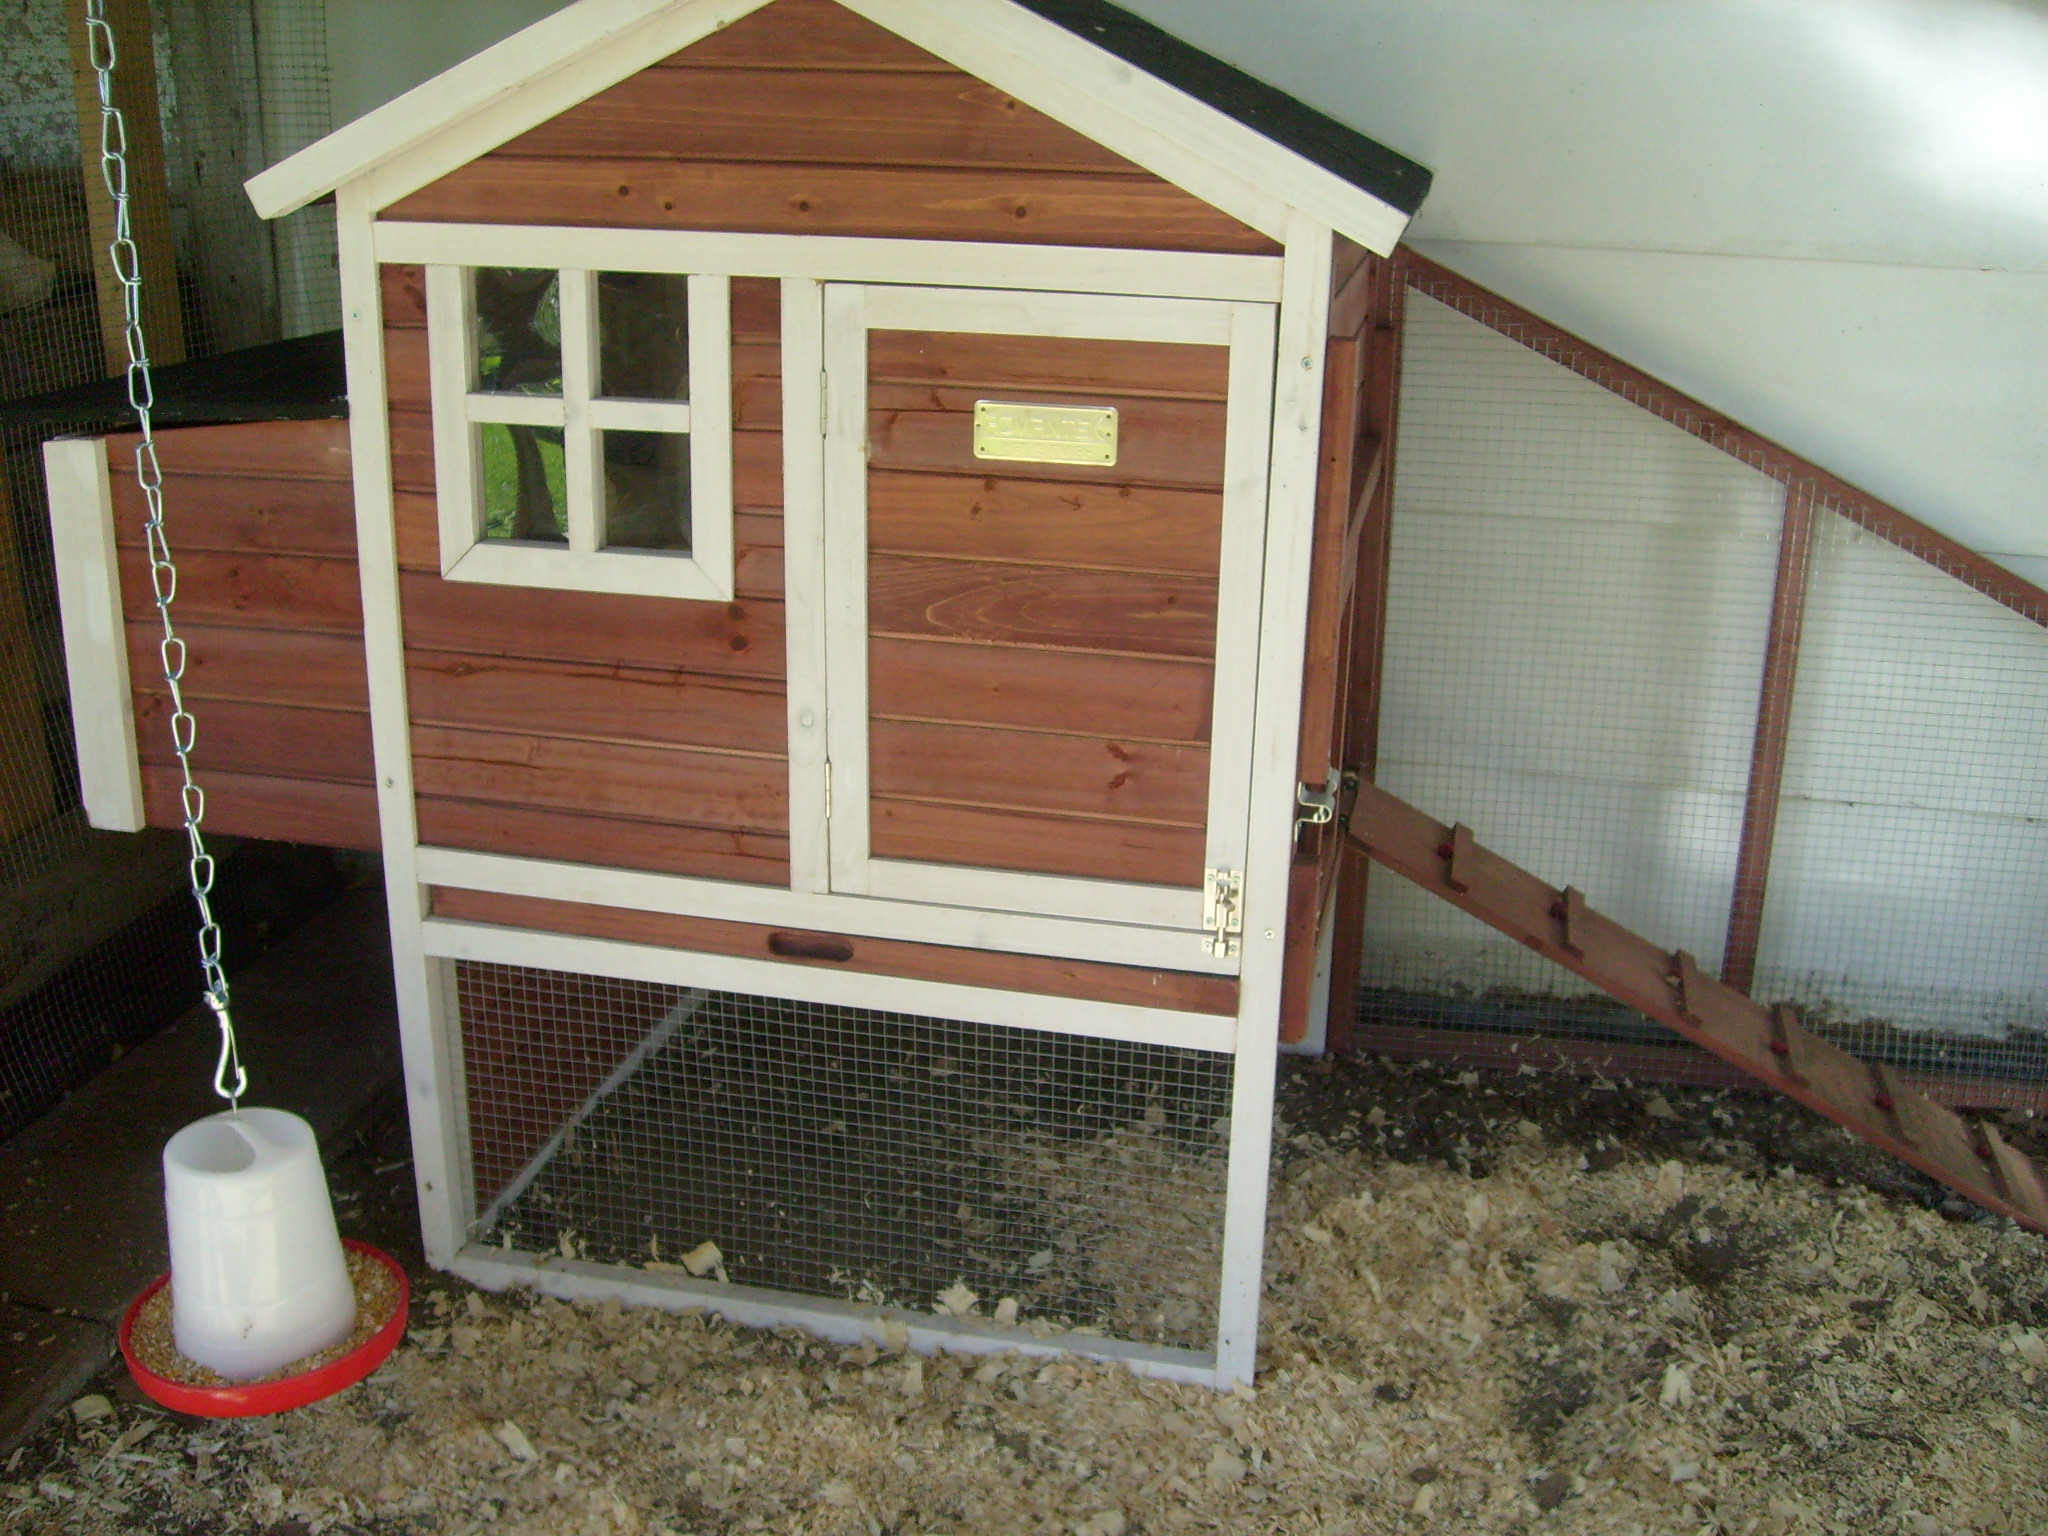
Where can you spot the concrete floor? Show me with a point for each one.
(81, 1190)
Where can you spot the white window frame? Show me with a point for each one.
(585, 564)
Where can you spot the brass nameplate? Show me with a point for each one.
(1045, 434)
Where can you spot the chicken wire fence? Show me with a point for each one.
(236, 84)
(840, 1152)
(1578, 659)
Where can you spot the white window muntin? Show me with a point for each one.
(585, 563)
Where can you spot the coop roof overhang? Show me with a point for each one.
(1225, 136)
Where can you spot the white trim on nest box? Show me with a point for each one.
(81, 496)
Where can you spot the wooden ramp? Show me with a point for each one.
(1769, 1044)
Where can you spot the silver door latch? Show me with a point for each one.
(1223, 911)
(1317, 807)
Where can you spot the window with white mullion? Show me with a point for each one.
(583, 465)
(569, 449)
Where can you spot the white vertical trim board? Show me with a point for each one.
(838, 1322)
(81, 496)
(803, 577)
(426, 1014)
(710, 427)
(846, 580)
(1246, 452)
(582, 462)
(1283, 631)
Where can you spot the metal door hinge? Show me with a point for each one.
(1316, 807)
(828, 789)
(824, 400)
(1222, 911)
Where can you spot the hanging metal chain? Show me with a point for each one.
(230, 1081)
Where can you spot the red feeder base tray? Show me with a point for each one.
(261, 1397)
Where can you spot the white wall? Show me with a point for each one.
(1828, 218)
(378, 49)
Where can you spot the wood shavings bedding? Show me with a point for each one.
(1520, 1342)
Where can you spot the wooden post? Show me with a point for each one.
(28, 792)
(1767, 750)
(1360, 746)
(149, 202)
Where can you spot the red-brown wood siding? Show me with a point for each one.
(261, 521)
(640, 732)
(804, 118)
(1042, 640)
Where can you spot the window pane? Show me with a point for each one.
(525, 483)
(643, 328)
(518, 331)
(647, 490)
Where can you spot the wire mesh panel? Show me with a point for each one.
(1580, 630)
(1575, 635)
(1909, 886)
(847, 1153)
(95, 931)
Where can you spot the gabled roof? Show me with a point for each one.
(1158, 101)
(1366, 163)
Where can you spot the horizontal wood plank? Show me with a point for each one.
(738, 639)
(597, 703)
(1034, 771)
(1045, 522)
(1164, 369)
(272, 591)
(900, 202)
(1050, 845)
(797, 116)
(404, 289)
(757, 311)
(329, 815)
(808, 34)
(416, 515)
(638, 783)
(1159, 442)
(1148, 615)
(274, 450)
(257, 666)
(1041, 974)
(1074, 691)
(408, 373)
(242, 514)
(266, 740)
(530, 832)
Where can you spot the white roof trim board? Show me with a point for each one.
(566, 58)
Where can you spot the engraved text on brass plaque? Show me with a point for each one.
(1045, 434)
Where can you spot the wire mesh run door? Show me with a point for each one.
(1044, 526)
(1041, 1187)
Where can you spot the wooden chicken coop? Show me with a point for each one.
(847, 582)
(836, 598)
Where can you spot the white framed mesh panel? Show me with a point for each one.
(846, 1153)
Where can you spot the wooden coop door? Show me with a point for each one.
(1044, 527)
